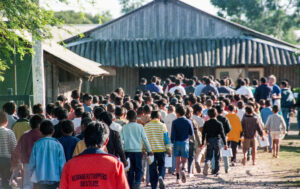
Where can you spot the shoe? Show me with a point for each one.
(205, 170)
(216, 174)
(177, 181)
(191, 175)
(198, 168)
(232, 164)
(183, 177)
(161, 183)
(226, 171)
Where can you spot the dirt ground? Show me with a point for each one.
(268, 172)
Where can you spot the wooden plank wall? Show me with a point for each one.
(127, 78)
(291, 73)
(205, 71)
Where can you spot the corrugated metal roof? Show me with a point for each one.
(222, 52)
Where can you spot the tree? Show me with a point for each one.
(278, 18)
(130, 5)
(71, 17)
(19, 18)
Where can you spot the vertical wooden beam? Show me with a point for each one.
(55, 84)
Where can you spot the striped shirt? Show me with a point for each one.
(8, 142)
(157, 135)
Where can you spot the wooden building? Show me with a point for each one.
(168, 37)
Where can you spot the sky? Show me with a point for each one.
(111, 5)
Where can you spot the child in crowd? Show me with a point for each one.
(8, 144)
(24, 148)
(240, 109)
(80, 146)
(275, 126)
(47, 159)
(133, 137)
(250, 125)
(68, 141)
(77, 120)
(10, 109)
(120, 116)
(265, 113)
(182, 130)
(22, 124)
(94, 168)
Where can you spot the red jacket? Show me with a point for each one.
(94, 171)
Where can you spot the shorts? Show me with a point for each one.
(275, 135)
(248, 143)
(181, 149)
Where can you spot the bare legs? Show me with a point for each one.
(275, 147)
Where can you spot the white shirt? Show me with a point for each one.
(116, 127)
(243, 90)
(163, 114)
(199, 121)
(77, 123)
(55, 121)
(240, 113)
(169, 120)
(180, 88)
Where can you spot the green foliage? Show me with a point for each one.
(278, 18)
(130, 5)
(71, 17)
(19, 20)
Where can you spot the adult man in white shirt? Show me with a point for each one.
(243, 90)
(178, 87)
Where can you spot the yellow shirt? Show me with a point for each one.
(236, 127)
(20, 127)
(80, 147)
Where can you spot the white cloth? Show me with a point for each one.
(77, 123)
(180, 88)
(168, 121)
(54, 121)
(243, 90)
(116, 127)
(199, 121)
(240, 113)
(163, 114)
(27, 184)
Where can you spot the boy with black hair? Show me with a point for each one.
(50, 111)
(276, 126)
(133, 137)
(265, 113)
(157, 135)
(77, 120)
(182, 130)
(147, 114)
(10, 109)
(24, 149)
(120, 116)
(250, 125)
(47, 158)
(8, 144)
(80, 146)
(212, 132)
(68, 141)
(91, 161)
(38, 109)
(75, 95)
(61, 115)
(87, 102)
(22, 125)
(74, 105)
(62, 99)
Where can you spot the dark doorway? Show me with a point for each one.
(163, 73)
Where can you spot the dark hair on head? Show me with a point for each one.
(254, 82)
(37, 109)
(46, 127)
(87, 97)
(23, 111)
(74, 103)
(101, 98)
(263, 80)
(67, 126)
(284, 83)
(155, 114)
(219, 109)
(275, 109)
(240, 104)
(78, 111)
(212, 113)
(50, 109)
(75, 94)
(119, 111)
(147, 109)
(189, 112)
(95, 99)
(67, 106)
(131, 115)
(197, 108)
(106, 117)
(247, 80)
(98, 111)
(3, 118)
(86, 114)
(180, 109)
(61, 98)
(35, 121)
(9, 107)
(262, 102)
(177, 82)
(61, 113)
(85, 121)
(96, 134)
(143, 81)
(268, 103)
(192, 98)
(140, 111)
(207, 81)
(249, 110)
(128, 105)
(111, 108)
(222, 82)
(153, 79)
(231, 108)
(118, 101)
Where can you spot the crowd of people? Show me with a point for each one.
(119, 141)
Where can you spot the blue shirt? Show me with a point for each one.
(208, 88)
(198, 89)
(69, 144)
(262, 92)
(87, 109)
(182, 128)
(152, 88)
(47, 160)
(276, 90)
(265, 113)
